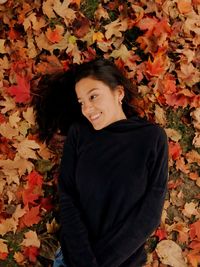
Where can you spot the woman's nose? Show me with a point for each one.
(87, 107)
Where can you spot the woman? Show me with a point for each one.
(113, 173)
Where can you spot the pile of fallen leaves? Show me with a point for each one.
(157, 45)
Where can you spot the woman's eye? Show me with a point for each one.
(93, 96)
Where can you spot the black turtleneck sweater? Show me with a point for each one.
(112, 187)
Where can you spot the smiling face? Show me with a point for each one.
(99, 104)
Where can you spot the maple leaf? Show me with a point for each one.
(31, 217)
(161, 234)
(26, 148)
(19, 257)
(55, 35)
(29, 197)
(116, 28)
(8, 104)
(184, 6)
(174, 150)
(31, 239)
(194, 258)
(34, 179)
(173, 134)
(170, 253)
(21, 91)
(63, 10)
(28, 115)
(47, 8)
(160, 115)
(31, 253)
(81, 26)
(195, 230)
(2, 46)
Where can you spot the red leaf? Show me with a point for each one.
(21, 91)
(34, 179)
(29, 197)
(161, 234)
(31, 217)
(195, 230)
(3, 255)
(31, 253)
(46, 203)
(174, 150)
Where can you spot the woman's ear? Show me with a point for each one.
(120, 92)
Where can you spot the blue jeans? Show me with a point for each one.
(59, 260)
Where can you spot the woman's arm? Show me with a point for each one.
(74, 235)
(115, 248)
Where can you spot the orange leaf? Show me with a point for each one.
(174, 150)
(3, 255)
(195, 245)
(21, 91)
(161, 234)
(55, 35)
(31, 253)
(194, 258)
(155, 67)
(31, 217)
(29, 197)
(34, 179)
(195, 230)
(184, 6)
(161, 27)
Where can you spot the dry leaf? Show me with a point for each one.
(26, 149)
(160, 116)
(173, 134)
(31, 239)
(170, 253)
(116, 28)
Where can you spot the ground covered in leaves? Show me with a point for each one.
(157, 45)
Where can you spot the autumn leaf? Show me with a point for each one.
(31, 217)
(55, 35)
(21, 91)
(31, 253)
(34, 180)
(26, 148)
(116, 28)
(170, 253)
(31, 239)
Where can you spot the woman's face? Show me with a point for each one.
(99, 104)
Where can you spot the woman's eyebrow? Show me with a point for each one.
(91, 90)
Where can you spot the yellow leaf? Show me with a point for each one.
(64, 11)
(47, 8)
(173, 134)
(97, 36)
(170, 253)
(19, 212)
(52, 227)
(3, 246)
(115, 28)
(14, 119)
(19, 257)
(190, 209)
(7, 131)
(26, 149)
(8, 103)
(29, 116)
(8, 225)
(160, 115)
(2, 46)
(31, 239)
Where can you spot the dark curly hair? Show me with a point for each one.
(55, 101)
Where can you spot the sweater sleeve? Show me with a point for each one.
(115, 248)
(74, 240)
